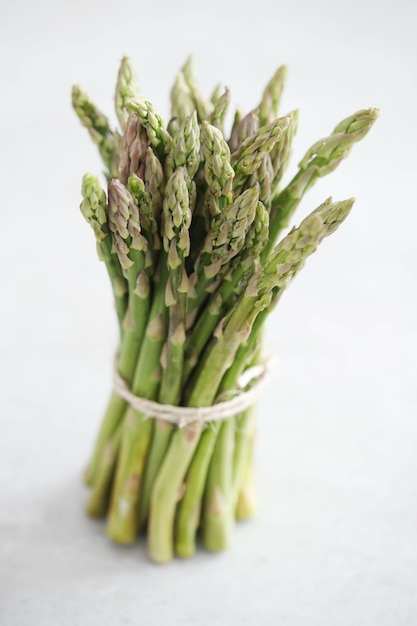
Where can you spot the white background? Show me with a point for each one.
(335, 540)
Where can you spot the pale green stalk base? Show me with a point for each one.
(161, 436)
(116, 407)
(188, 510)
(243, 441)
(112, 418)
(247, 505)
(98, 502)
(166, 493)
(123, 520)
(136, 440)
(217, 518)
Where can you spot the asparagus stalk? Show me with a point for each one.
(182, 101)
(133, 149)
(216, 93)
(127, 87)
(97, 124)
(154, 184)
(242, 458)
(185, 152)
(95, 211)
(261, 179)
(246, 504)
(176, 222)
(271, 97)
(183, 162)
(220, 301)
(124, 519)
(249, 157)
(158, 136)
(145, 199)
(248, 356)
(203, 106)
(135, 259)
(218, 170)
(148, 197)
(229, 466)
(149, 225)
(221, 105)
(215, 188)
(321, 159)
(218, 510)
(230, 223)
(224, 241)
(101, 493)
(281, 153)
(243, 129)
(148, 366)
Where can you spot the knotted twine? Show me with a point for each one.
(254, 378)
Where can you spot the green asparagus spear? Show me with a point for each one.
(321, 159)
(243, 129)
(218, 171)
(182, 101)
(203, 106)
(136, 260)
(222, 299)
(175, 224)
(249, 157)
(221, 105)
(97, 124)
(124, 517)
(133, 149)
(224, 241)
(158, 136)
(127, 86)
(95, 210)
(271, 97)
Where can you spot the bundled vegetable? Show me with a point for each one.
(188, 232)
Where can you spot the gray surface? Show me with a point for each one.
(335, 538)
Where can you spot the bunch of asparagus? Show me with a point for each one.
(188, 232)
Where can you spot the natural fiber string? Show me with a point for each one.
(182, 415)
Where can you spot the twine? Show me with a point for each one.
(255, 376)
